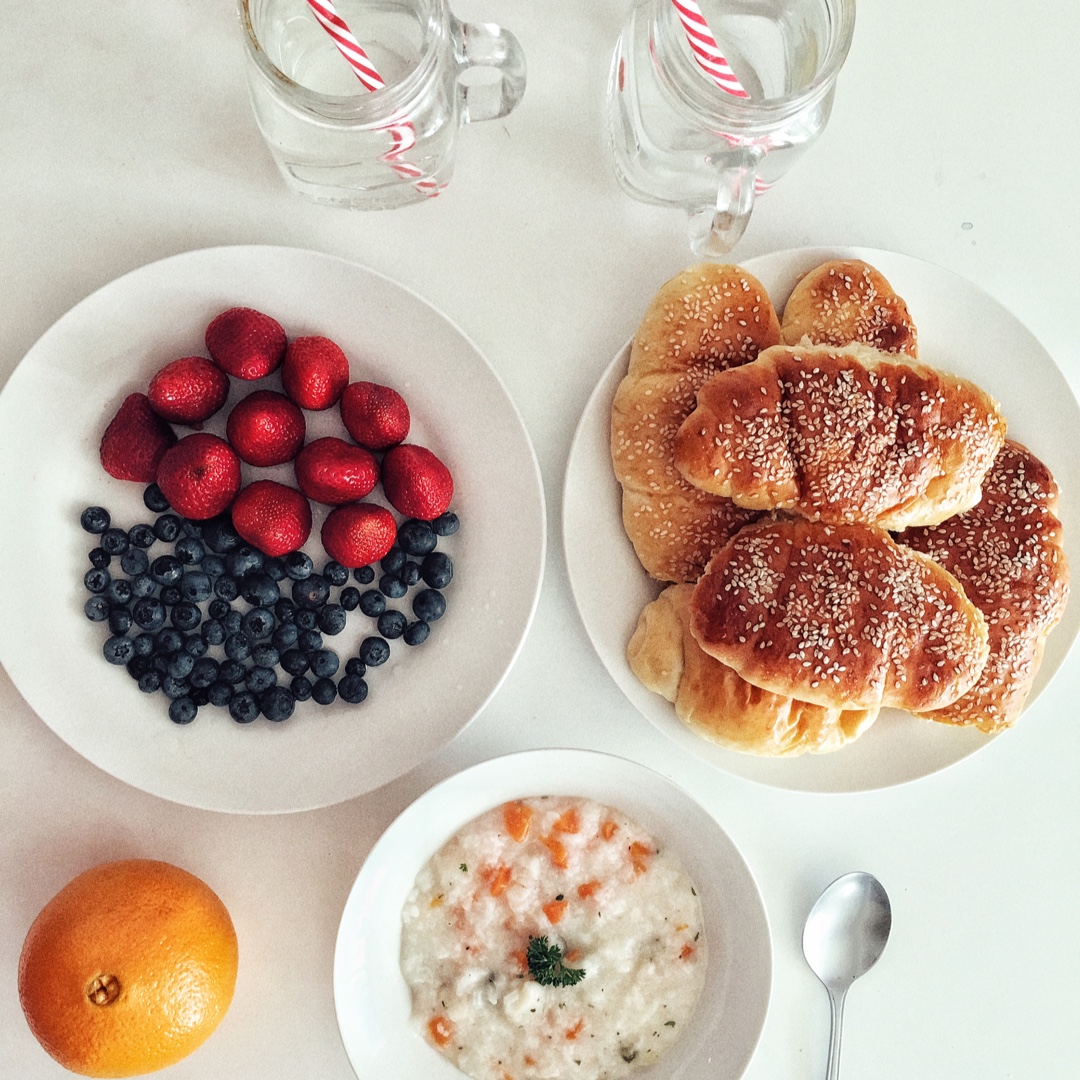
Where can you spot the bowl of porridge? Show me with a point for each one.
(553, 914)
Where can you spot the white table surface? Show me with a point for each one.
(126, 136)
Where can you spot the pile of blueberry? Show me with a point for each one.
(209, 620)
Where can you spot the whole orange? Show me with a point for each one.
(128, 968)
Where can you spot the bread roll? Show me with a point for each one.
(841, 435)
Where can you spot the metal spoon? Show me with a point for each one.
(845, 933)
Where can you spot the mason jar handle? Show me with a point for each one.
(484, 49)
(714, 230)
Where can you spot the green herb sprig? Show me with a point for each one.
(546, 964)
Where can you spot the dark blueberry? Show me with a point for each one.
(96, 580)
(144, 644)
(154, 499)
(226, 587)
(237, 647)
(298, 565)
(119, 620)
(196, 646)
(429, 605)
(323, 691)
(275, 568)
(312, 592)
(143, 585)
(214, 565)
(213, 633)
(219, 693)
(446, 524)
(265, 656)
(183, 710)
(393, 560)
(161, 664)
(244, 708)
(372, 603)
(416, 633)
(196, 586)
(190, 550)
(392, 586)
(294, 662)
(324, 663)
(138, 666)
(309, 641)
(114, 541)
(199, 695)
(244, 560)
(301, 688)
(232, 671)
(374, 651)
(277, 703)
(349, 598)
(335, 573)
(99, 558)
(410, 573)
(186, 615)
(392, 624)
(284, 637)
(285, 610)
(260, 679)
(258, 623)
(134, 561)
(260, 588)
(167, 528)
(355, 666)
(141, 536)
(332, 619)
(306, 620)
(166, 570)
(169, 595)
(218, 609)
(220, 536)
(232, 621)
(150, 683)
(191, 528)
(365, 575)
(181, 665)
(437, 570)
(172, 687)
(204, 672)
(416, 537)
(168, 641)
(352, 689)
(95, 519)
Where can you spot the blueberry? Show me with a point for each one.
(196, 586)
(332, 619)
(410, 573)
(186, 615)
(335, 573)
(307, 620)
(374, 651)
(167, 528)
(437, 570)
(95, 519)
(160, 664)
(277, 704)
(174, 688)
(138, 666)
(119, 620)
(260, 679)
(298, 565)
(168, 641)
(416, 537)
(416, 633)
(204, 671)
(301, 688)
(219, 693)
(365, 575)
(166, 570)
(190, 550)
(355, 666)
(284, 637)
(429, 605)
(220, 536)
(258, 623)
(259, 588)
(96, 580)
(196, 646)
(213, 633)
(285, 610)
(154, 499)
(275, 568)
(349, 598)
(218, 609)
(232, 671)
(143, 585)
(294, 662)
(244, 708)
(372, 603)
(323, 691)
(392, 586)
(181, 665)
(141, 536)
(198, 695)
(244, 560)
(150, 683)
(170, 595)
(214, 565)
(134, 561)
(99, 558)
(392, 624)
(352, 688)
(143, 644)
(182, 710)
(237, 647)
(312, 592)
(324, 663)
(232, 621)
(392, 561)
(191, 528)
(446, 524)
(309, 641)
(265, 656)
(226, 587)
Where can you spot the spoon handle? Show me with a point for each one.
(836, 1012)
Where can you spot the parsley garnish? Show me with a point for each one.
(546, 964)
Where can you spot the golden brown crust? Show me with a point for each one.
(702, 321)
(841, 435)
(839, 615)
(719, 705)
(846, 301)
(1008, 554)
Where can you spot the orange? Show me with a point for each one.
(128, 968)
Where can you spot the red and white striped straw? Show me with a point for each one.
(703, 45)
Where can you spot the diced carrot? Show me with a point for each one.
(557, 849)
(555, 910)
(575, 1031)
(588, 888)
(522, 959)
(518, 818)
(442, 1031)
(500, 879)
(529, 1059)
(687, 951)
(507, 1076)
(573, 956)
(638, 853)
(568, 822)
(608, 830)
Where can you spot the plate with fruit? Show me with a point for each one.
(282, 568)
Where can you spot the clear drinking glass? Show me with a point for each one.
(339, 143)
(677, 139)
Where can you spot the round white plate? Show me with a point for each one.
(52, 415)
(961, 330)
(370, 994)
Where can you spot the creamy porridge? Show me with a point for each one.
(551, 938)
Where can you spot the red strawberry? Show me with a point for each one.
(266, 428)
(200, 475)
(315, 372)
(416, 482)
(375, 416)
(333, 471)
(273, 517)
(358, 534)
(135, 440)
(189, 390)
(246, 343)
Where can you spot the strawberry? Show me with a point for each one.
(200, 476)
(333, 471)
(375, 416)
(266, 428)
(189, 390)
(358, 534)
(273, 517)
(135, 440)
(416, 482)
(315, 372)
(246, 343)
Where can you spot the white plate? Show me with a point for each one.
(52, 414)
(370, 994)
(961, 330)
